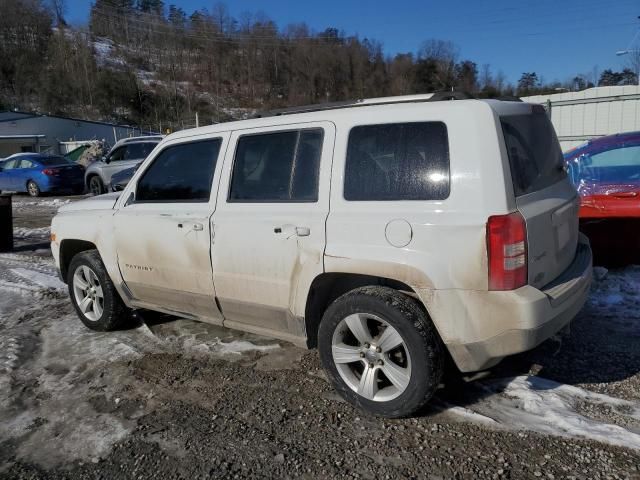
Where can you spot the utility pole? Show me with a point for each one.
(629, 51)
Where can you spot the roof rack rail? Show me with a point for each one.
(452, 95)
(509, 98)
(308, 108)
(428, 97)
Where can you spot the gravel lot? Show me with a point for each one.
(172, 398)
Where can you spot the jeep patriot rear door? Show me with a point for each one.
(269, 226)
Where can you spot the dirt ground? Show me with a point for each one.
(172, 398)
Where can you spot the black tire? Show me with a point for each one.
(96, 187)
(420, 338)
(33, 189)
(114, 312)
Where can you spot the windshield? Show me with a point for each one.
(534, 153)
(53, 161)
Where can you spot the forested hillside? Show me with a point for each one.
(154, 65)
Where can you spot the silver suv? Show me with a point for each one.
(126, 153)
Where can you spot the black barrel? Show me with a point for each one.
(6, 224)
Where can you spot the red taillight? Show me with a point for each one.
(51, 171)
(507, 251)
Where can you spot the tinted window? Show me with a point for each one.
(180, 173)
(534, 152)
(399, 161)
(277, 167)
(25, 164)
(137, 151)
(620, 157)
(51, 161)
(117, 154)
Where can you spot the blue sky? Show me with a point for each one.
(555, 38)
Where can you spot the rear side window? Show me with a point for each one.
(399, 161)
(53, 160)
(277, 167)
(620, 157)
(534, 153)
(137, 151)
(181, 173)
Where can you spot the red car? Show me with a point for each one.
(606, 173)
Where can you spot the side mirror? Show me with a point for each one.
(106, 160)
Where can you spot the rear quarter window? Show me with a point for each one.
(398, 161)
(535, 156)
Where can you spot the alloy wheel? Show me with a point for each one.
(371, 357)
(95, 186)
(88, 293)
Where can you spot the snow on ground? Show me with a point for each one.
(39, 233)
(54, 202)
(41, 279)
(541, 405)
(44, 346)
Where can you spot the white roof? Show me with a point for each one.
(362, 108)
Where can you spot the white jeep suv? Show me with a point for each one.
(389, 233)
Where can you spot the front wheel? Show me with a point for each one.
(96, 186)
(93, 294)
(381, 351)
(33, 189)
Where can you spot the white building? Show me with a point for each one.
(579, 116)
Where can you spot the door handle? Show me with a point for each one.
(290, 230)
(196, 226)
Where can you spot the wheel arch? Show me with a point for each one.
(69, 248)
(327, 287)
(26, 183)
(90, 175)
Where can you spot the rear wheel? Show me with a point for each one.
(96, 186)
(93, 294)
(381, 351)
(33, 189)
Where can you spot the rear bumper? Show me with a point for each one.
(480, 328)
(57, 185)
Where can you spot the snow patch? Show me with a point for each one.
(55, 202)
(41, 279)
(239, 347)
(22, 232)
(467, 414)
(544, 406)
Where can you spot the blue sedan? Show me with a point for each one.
(37, 173)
